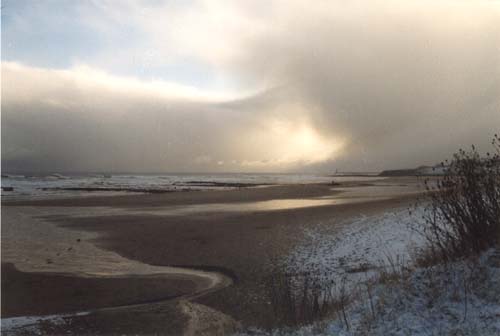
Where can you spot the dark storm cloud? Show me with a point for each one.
(354, 86)
(405, 84)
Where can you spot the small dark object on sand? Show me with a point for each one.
(78, 240)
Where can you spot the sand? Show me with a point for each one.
(229, 233)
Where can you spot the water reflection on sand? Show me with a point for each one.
(271, 205)
(339, 196)
(379, 191)
(37, 245)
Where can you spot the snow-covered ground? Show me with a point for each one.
(31, 324)
(364, 244)
(462, 298)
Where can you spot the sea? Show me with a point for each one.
(57, 185)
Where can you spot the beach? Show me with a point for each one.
(179, 262)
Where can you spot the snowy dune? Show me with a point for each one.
(462, 298)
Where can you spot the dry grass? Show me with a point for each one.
(462, 211)
(299, 299)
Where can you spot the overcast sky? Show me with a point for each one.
(251, 86)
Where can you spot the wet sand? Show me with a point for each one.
(35, 294)
(150, 229)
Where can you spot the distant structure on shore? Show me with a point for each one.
(419, 171)
(355, 174)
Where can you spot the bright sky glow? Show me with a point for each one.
(220, 85)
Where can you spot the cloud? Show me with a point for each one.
(82, 119)
(404, 82)
(401, 81)
(351, 85)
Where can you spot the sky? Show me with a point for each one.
(246, 86)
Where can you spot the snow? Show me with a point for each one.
(363, 244)
(460, 298)
(31, 324)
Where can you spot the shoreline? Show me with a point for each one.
(240, 242)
